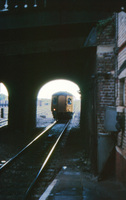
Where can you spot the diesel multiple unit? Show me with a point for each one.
(62, 105)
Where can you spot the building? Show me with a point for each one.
(121, 96)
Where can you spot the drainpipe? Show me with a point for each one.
(116, 59)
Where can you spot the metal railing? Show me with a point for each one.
(6, 5)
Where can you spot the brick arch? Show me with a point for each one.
(44, 98)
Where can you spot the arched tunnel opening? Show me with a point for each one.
(4, 103)
(44, 113)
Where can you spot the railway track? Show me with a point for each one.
(20, 174)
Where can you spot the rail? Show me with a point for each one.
(45, 162)
(15, 156)
(30, 164)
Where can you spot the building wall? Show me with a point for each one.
(105, 70)
(105, 83)
(111, 87)
(121, 97)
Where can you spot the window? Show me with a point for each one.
(69, 101)
(122, 92)
(54, 101)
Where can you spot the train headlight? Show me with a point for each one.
(54, 109)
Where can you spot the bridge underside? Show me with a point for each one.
(101, 5)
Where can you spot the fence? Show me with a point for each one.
(15, 4)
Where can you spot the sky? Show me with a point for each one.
(58, 85)
(3, 89)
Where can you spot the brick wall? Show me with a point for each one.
(105, 65)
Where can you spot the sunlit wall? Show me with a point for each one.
(4, 104)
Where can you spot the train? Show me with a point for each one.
(62, 105)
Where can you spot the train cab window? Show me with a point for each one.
(69, 101)
(54, 101)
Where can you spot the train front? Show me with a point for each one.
(62, 105)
